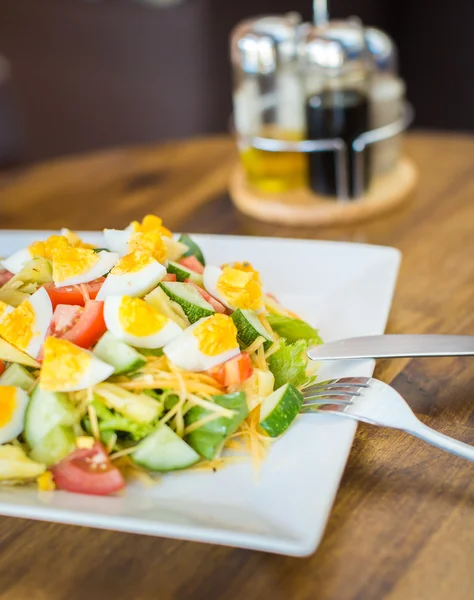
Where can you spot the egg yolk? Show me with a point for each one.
(132, 263)
(245, 266)
(70, 262)
(150, 242)
(7, 404)
(47, 248)
(216, 335)
(151, 223)
(64, 364)
(241, 289)
(18, 327)
(139, 318)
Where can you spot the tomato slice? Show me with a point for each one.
(81, 326)
(169, 277)
(234, 371)
(216, 305)
(191, 262)
(88, 471)
(2, 367)
(5, 276)
(74, 294)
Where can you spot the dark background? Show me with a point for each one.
(88, 75)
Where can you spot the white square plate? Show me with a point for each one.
(345, 290)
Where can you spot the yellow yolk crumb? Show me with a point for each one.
(75, 241)
(139, 318)
(216, 335)
(70, 262)
(7, 404)
(151, 223)
(64, 364)
(131, 263)
(45, 482)
(47, 248)
(18, 327)
(242, 289)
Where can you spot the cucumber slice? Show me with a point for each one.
(183, 273)
(164, 450)
(190, 300)
(17, 376)
(11, 354)
(249, 328)
(279, 409)
(194, 249)
(167, 307)
(55, 446)
(208, 439)
(121, 356)
(45, 411)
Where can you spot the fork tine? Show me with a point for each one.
(346, 400)
(343, 382)
(331, 392)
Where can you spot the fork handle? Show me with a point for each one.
(435, 438)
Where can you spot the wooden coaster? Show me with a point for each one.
(303, 207)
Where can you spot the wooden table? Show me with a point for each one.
(403, 524)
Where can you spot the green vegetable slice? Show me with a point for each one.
(211, 435)
(164, 450)
(278, 410)
(249, 328)
(293, 329)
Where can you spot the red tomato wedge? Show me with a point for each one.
(169, 277)
(2, 367)
(73, 294)
(5, 276)
(233, 372)
(216, 305)
(192, 263)
(88, 471)
(81, 326)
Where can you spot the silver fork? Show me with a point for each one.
(372, 401)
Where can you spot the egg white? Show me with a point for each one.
(116, 240)
(17, 261)
(43, 310)
(7, 311)
(210, 278)
(15, 425)
(97, 372)
(155, 340)
(105, 263)
(135, 284)
(184, 352)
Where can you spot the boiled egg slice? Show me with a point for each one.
(5, 309)
(234, 287)
(44, 249)
(135, 322)
(72, 266)
(25, 327)
(13, 403)
(68, 368)
(207, 343)
(127, 241)
(135, 274)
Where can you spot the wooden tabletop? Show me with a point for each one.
(402, 527)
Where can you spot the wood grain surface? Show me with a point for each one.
(402, 527)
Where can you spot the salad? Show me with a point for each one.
(138, 358)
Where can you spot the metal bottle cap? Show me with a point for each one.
(259, 45)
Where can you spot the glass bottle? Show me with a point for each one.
(268, 100)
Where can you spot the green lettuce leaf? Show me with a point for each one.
(288, 364)
(110, 420)
(294, 329)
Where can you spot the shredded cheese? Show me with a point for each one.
(94, 421)
(255, 345)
